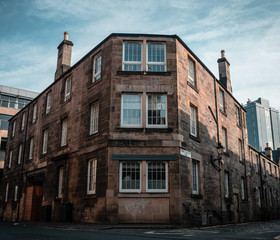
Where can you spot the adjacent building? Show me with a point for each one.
(264, 127)
(11, 101)
(137, 131)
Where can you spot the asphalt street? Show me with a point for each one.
(32, 231)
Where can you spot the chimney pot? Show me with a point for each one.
(65, 35)
(223, 53)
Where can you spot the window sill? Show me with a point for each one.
(65, 101)
(121, 72)
(228, 200)
(144, 194)
(90, 136)
(223, 112)
(162, 130)
(226, 154)
(193, 87)
(197, 139)
(197, 196)
(93, 83)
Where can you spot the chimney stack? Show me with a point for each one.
(224, 73)
(63, 56)
(268, 152)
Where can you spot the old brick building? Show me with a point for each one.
(130, 134)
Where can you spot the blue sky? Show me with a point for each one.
(248, 30)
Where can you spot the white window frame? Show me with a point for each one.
(240, 150)
(60, 182)
(19, 153)
(191, 79)
(242, 188)
(48, 102)
(64, 129)
(166, 177)
(226, 184)
(10, 158)
(67, 90)
(94, 118)
(195, 177)
(97, 75)
(155, 63)
(34, 115)
(147, 109)
(14, 128)
(238, 116)
(45, 141)
(23, 121)
(224, 137)
(132, 62)
(31, 147)
(91, 176)
(193, 121)
(257, 162)
(222, 100)
(138, 190)
(16, 194)
(7, 192)
(122, 108)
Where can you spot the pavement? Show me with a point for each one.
(89, 226)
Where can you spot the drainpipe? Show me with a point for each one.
(218, 139)
(22, 163)
(244, 159)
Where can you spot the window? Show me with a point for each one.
(242, 189)
(7, 192)
(91, 183)
(45, 141)
(275, 171)
(31, 146)
(16, 193)
(269, 168)
(96, 68)
(34, 115)
(3, 149)
(259, 196)
(8, 101)
(156, 57)
(19, 153)
(156, 177)
(13, 102)
(195, 187)
(10, 159)
(226, 184)
(238, 120)
(64, 132)
(14, 128)
(224, 136)
(23, 121)
(240, 149)
(132, 56)
(67, 89)
(191, 71)
(94, 115)
(156, 107)
(48, 103)
(222, 101)
(131, 110)
(257, 163)
(4, 121)
(60, 182)
(264, 168)
(193, 121)
(130, 177)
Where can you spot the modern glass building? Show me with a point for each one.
(263, 124)
(11, 101)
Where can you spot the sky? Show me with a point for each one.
(248, 30)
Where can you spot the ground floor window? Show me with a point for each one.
(132, 176)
